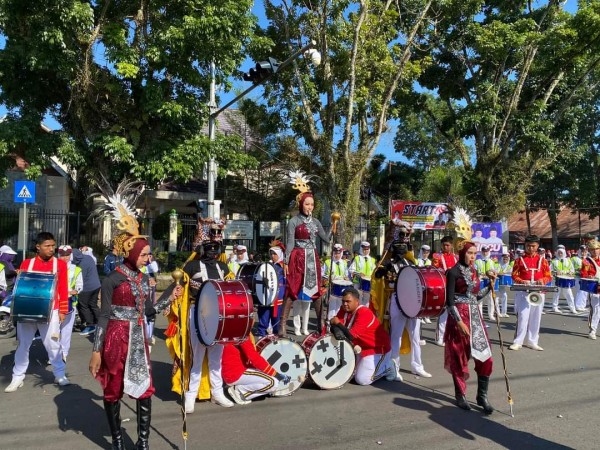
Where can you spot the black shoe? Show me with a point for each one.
(113, 413)
(482, 399)
(461, 400)
(144, 414)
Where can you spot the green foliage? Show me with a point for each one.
(161, 227)
(127, 81)
(169, 261)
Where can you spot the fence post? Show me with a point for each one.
(106, 230)
(173, 231)
(381, 240)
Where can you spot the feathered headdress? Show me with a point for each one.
(463, 227)
(299, 181)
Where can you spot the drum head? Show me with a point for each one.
(288, 358)
(266, 284)
(331, 363)
(207, 312)
(409, 290)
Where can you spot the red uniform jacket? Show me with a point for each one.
(237, 358)
(444, 261)
(366, 331)
(522, 270)
(61, 296)
(590, 270)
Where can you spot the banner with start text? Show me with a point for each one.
(421, 215)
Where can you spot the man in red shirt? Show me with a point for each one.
(532, 269)
(590, 268)
(44, 262)
(247, 373)
(370, 340)
(445, 261)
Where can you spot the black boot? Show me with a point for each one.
(144, 414)
(482, 399)
(461, 400)
(113, 413)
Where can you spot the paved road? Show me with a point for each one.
(556, 394)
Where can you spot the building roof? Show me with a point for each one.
(571, 225)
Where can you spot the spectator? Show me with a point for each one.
(88, 297)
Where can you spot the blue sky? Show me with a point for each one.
(386, 142)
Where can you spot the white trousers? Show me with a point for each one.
(371, 368)
(441, 326)
(398, 322)
(301, 310)
(215, 353)
(489, 301)
(335, 303)
(529, 319)
(365, 297)
(580, 296)
(50, 335)
(595, 312)
(568, 292)
(66, 330)
(502, 298)
(254, 383)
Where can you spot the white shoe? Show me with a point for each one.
(534, 347)
(506, 316)
(592, 335)
(440, 343)
(421, 373)
(305, 332)
(515, 347)
(14, 385)
(557, 310)
(422, 342)
(297, 333)
(493, 318)
(237, 397)
(427, 320)
(574, 311)
(219, 398)
(190, 403)
(62, 381)
(393, 373)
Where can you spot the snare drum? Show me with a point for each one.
(331, 363)
(262, 281)
(339, 286)
(485, 282)
(33, 297)
(589, 285)
(286, 357)
(564, 281)
(421, 291)
(223, 312)
(505, 280)
(365, 284)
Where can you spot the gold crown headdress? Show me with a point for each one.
(463, 227)
(299, 181)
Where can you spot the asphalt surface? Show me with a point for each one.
(555, 392)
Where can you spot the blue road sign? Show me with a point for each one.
(24, 192)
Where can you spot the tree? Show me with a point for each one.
(127, 81)
(338, 111)
(511, 75)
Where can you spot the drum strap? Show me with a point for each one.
(532, 271)
(54, 265)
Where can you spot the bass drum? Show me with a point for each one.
(262, 281)
(331, 363)
(224, 312)
(286, 357)
(421, 291)
(33, 297)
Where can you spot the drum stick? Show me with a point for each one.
(177, 275)
(335, 217)
(508, 393)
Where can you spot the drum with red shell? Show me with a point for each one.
(421, 291)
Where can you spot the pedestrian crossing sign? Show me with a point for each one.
(24, 192)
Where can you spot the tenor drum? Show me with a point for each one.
(223, 312)
(421, 291)
(563, 281)
(365, 284)
(331, 363)
(33, 297)
(339, 286)
(262, 281)
(505, 280)
(286, 357)
(589, 285)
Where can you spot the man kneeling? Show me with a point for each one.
(357, 324)
(247, 373)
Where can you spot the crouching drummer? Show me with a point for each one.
(357, 324)
(247, 373)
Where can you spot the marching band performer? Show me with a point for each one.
(120, 359)
(531, 269)
(562, 266)
(359, 325)
(505, 268)
(590, 268)
(75, 287)
(361, 269)
(303, 264)
(423, 258)
(483, 266)
(268, 316)
(338, 268)
(466, 335)
(445, 261)
(248, 374)
(580, 295)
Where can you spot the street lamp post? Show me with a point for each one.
(308, 50)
